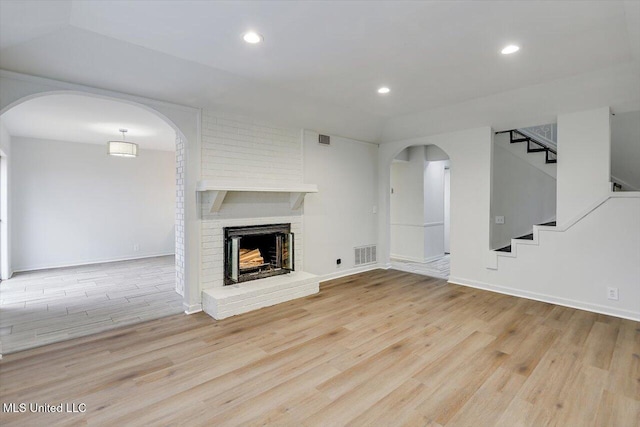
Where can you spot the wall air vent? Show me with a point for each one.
(365, 255)
(324, 139)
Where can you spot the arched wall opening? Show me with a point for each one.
(419, 210)
(17, 88)
(469, 153)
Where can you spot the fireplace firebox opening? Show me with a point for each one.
(257, 251)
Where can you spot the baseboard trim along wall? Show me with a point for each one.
(418, 260)
(580, 305)
(192, 309)
(349, 272)
(97, 261)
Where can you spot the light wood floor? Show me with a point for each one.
(375, 349)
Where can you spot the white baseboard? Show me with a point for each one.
(349, 272)
(384, 266)
(192, 309)
(565, 302)
(412, 259)
(97, 261)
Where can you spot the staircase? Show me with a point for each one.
(525, 237)
(533, 146)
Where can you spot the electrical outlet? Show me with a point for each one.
(136, 247)
(499, 220)
(338, 261)
(612, 293)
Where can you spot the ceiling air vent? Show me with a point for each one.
(324, 139)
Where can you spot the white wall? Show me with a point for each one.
(5, 139)
(341, 215)
(470, 157)
(447, 209)
(625, 150)
(572, 267)
(434, 209)
(5, 202)
(75, 204)
(575, 267)
(407, 206)
(522, 193)
(527, 106)
(584, 161)
(403, 156)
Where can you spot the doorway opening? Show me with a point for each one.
(94, 241)
(420, 211)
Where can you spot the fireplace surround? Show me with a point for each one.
(257, 251)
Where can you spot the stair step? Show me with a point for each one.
(505, 249)
(536, 150)
(520, 140)
(549, 224)
(551, 161)
(526, 237)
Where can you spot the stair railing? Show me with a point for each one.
(516, 136)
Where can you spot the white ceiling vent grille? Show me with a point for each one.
(365, 255)
(324, 139)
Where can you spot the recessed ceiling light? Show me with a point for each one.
(384, 90)
(252, 37)
(512, 48)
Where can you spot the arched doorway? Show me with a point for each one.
(419, 210)
(177, 195)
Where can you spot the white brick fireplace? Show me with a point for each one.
(251, 175)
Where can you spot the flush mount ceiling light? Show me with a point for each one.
(122, 148)
(512, 48)
(383, 90)
(252, 37)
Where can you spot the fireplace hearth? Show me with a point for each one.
(258, 251)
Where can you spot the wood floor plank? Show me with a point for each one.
(502, 386)
(366, 394)
(382, 348)
(600, 344)
(394, 407)
(617, 410)
(624, 371)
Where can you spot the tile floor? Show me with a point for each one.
(45, 306)
(438, 268)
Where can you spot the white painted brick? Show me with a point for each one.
(179, 221)
(235, 147)
(241, 148)
(221, 303)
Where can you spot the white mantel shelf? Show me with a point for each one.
(220, 189)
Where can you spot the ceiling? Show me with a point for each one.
(321, 62)
(87, 119)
